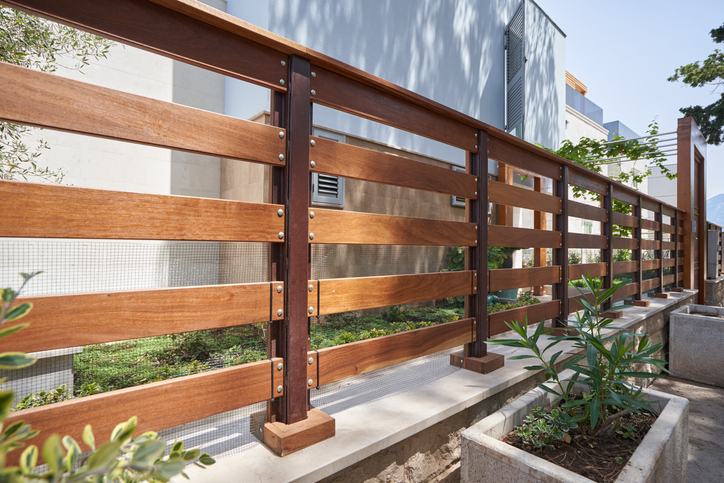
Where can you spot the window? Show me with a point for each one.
(587, 227)
(326, 189)
(457, 201)
(515, 72)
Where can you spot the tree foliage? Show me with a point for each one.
(709, 72)
(39, 44)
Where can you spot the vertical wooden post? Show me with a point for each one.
(677, 277)
(637, 253)
(658, 235)
(607, 253)
(476, 356)
(561, 253)
(505, 213)
(539, 223)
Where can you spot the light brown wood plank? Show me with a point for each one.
(669, 279)
(669, 262)
(650, 284)
(49, 211)
(583, 178)
(650, 244)
(339, 159)
(668, 228)
(353, 228)
(625, 267)
(624, 243)
(651, 225)
(576, 272)
(353, 359)
(509, 278)
(668, 245)
(624, 193)
(49, 101)
(158, 405)
(580, 240)
(60, 321)
(535, 313)
(515, 196)
(625, 220)
(588, 212)
(364, 100)
(650, 264)
(512, 154)
(346, 294)
(626, 291)
(508, 236)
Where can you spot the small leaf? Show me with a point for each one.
(104, 456)
(29, 459)
(18, 312)
(168, 469)
(15, 360)
(148, 452)
(12, 330)
(88, 437)
(53, 454)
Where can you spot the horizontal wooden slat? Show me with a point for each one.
(669, 262)
(650, 225)
(624, 243)
(650, 284)
(535, 313)
(670, 211)
(353, 228)
(580, 240)
(580, 178)
(150, 26)
(668, 245)
(573, 302)
(649, 204)
(650, 244)
(626, 291)
(158, 405)
(508, 236)
(588, 212)
(625, 267)
(60, 321)
(353, 359)
(348, 95)
(63, 212)
(668, 228)
(576, 272)
(669, 279)
(650, 264)
(625, 220)
(49, 101)
(501, 150)
(346, 294)
(509, 278)
(339, 159)
(515, 196)
(621, 194)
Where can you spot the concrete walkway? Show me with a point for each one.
(706, 427)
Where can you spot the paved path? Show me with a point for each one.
(706, 427)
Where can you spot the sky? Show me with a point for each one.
(624, 51)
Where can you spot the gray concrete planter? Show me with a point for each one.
(661, 457)
(696, 338)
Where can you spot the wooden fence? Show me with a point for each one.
(298, 78)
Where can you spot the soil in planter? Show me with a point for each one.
(600, 458)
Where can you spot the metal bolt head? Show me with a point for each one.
(280, 366)
(312, 164)
(281, 81)
(281, 235)
(279, 388)
(310, 360)
(476, 193)
(280, 212)
(476, 242)
(311, 288)
(476, 227)
(281, 134)
(280, 312)
(311, 236)
(314, 93)
(476, 134)
(311, 214)
(310, 310)
(314, 74)
(310, 382)
(312, 143)
(279, 289)
(476, 180)
(476, 146)
(281, 157)
(284, 62)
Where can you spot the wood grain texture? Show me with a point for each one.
(158, 405)
(649, 204)
(650, 264)
(651, 225)
(588, 212)
(669, 262)
(353, 359)
(670, 211)
(668, 245)
(535, 313)
(666, 228)
(515, 196)
(621, 193)
(507, 236)
(509, 278)
(576, 272)
(669, 279)
(353, 228)
(650, 244)
(618, 243)
(346, 294)
(625, 267)
(284, 439)
(60, 321)
(512, 154)
(588, 180)
(364, 100)
(626, 291)
(580, 240)
(48, 211)
(49, 101)
(150, 26)
(625, 220)
(339, 159)
(650, 284)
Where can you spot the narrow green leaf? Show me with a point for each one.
(15, 360)
(18, 312)
(88, 437)
(12, 330)
(148, 452)
(104, 456)
(29, 459)
(525, 356)
(53, 454)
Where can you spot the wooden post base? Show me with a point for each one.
(483, 365)
(677, 289)
(561, 331)
(662, 295)
(284, 439)
(615, 314)
(642, 303)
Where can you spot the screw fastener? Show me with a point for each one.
(280, 312)
(281, 81)
(310, 382)
(312, 164)
(281, 134)
(312, 143)
(310, 360)
(310, 310)
(314, 93)
(280, 212)
(281, 157)
(311, 288)
(279, 289)
(311, 214)
(281, 235)
(279, 388)
(280, 366)
(284, 62)
(311, 236)
(314, 74)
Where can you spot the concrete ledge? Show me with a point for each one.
(697, 338)
(415, 427)
(715, 291)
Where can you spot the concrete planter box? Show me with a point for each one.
(661, 457)
(696, 338)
